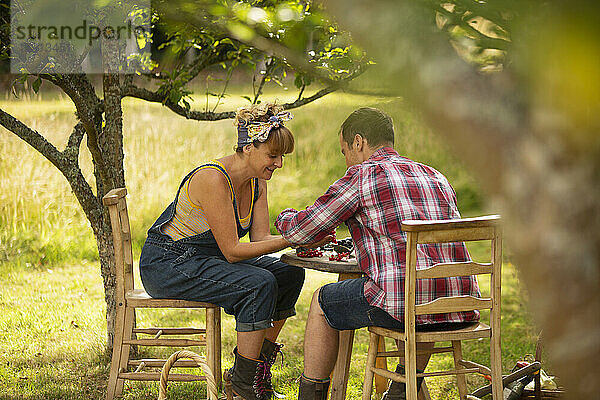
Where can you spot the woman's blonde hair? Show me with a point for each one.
(280, 141)
(256, 112)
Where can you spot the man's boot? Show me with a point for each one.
(311, 389)
(397, 390)
(249, 379)
(269, 351)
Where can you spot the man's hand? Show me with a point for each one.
(327, 239)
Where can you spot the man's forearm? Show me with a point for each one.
(295, 227)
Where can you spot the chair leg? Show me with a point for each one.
(116, 353)
(496, 367)
(219, 375)
(371, 356)
(381, 382)
(424, 392)
(410, 367)
(460, 378)
(125, 348)
(211, 342)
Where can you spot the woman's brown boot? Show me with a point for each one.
(249, 379)
(269, 351)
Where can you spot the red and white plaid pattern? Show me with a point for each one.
(373, 199)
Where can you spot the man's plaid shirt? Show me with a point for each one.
(372, 199)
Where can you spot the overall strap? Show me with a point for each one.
(169, 212)
(218, 166)
(241, 230)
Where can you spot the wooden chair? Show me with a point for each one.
(128, 299)
(420, 232)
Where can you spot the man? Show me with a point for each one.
(378, 191)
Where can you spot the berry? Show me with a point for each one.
(307, 253)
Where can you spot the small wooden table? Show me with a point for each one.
(345, 270)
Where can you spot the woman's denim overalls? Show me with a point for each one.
(256, 291)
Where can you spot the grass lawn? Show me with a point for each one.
(52, 326)
(52, 333)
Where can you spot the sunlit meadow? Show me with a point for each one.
(52, 327)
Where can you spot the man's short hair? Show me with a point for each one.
(370, 123)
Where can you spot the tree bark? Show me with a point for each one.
(107, 265)
(110, 144)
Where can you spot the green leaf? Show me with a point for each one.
(36, 84)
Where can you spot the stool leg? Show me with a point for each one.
(460, 378)
(371, 356)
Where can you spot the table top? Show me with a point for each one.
(321, 263)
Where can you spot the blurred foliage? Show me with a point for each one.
(250, 35)
(4, 36)
(275, 39)
(480, 30)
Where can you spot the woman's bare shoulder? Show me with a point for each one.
(208, 181)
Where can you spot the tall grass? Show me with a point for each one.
(43, 224)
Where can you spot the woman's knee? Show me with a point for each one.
(266, 285)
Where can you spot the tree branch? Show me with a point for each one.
(89, 108)
(301, 92)
(483, 40)
(156, 97)
(71, 151)
(201, 63)
(305, 100)
(268, 69)
(65, 162)
(33, 138)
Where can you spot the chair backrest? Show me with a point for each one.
(117, 207)
(446, 231)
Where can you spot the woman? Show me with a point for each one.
(193, 251)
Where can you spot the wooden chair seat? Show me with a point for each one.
(474, 331)
(129, 299)
(139, 298)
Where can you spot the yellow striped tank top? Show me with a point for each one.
(189, 218)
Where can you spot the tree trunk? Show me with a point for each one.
(111, 147)
(107, 270)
